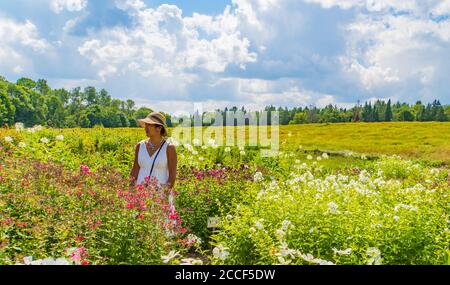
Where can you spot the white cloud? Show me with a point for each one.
(443, 8)
(387, 49)
(23, 34)
(164, 43)
(130, 4)
(58, 6)
(370, 5)
(19, 39)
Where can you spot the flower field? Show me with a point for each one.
(65, 198)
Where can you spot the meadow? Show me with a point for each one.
(359, 193)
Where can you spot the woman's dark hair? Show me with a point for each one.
(163, 132)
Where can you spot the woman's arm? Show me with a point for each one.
(135, 170)
(172, 164)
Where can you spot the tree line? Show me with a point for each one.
(36, 103)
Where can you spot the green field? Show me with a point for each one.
(336, 194)
(427, 141)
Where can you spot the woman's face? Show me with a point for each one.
(152, 130)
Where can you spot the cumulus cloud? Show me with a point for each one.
(164, 43)
(18, 40)
(370, 5)
(58, 6)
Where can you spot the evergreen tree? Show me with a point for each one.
(388, 112)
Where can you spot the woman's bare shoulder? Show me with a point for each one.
(136, 147)
(171, 147)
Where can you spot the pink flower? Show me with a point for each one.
(7, 221)
(80, 238)
(129, 206)
(85, 169)
(79, 254)
(85, 262)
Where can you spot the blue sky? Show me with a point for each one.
(169, 55)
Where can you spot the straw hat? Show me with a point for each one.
(154, 118)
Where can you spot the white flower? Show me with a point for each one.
(434, 172)
(325, 155)
(221, 252)
(38, 127)
(196, 141)
(258, 177)
(241, 148)
(374, 256)
(396, 218)
(285, 225)
(9, 139)
(280, 234)
(333, 208)
(259, 225)
(343, 252)
(283, 261)
(319, 158)
(204, 147)
(191, 261)
(27, 260)
(60, 137)
(323, 262)
(171, 255)
(194, 152)
(22, 145)
(44, 140)
(242, 152)
(227, 149)
(309, 157)
(194, 239)
(307, 257)
(201, 158)
(19, 127)
(188, 147)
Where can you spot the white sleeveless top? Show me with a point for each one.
(160, 170)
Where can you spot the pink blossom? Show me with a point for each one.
(85, 169)
(79, 254)
(80, 238)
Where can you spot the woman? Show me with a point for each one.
(155, 157)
